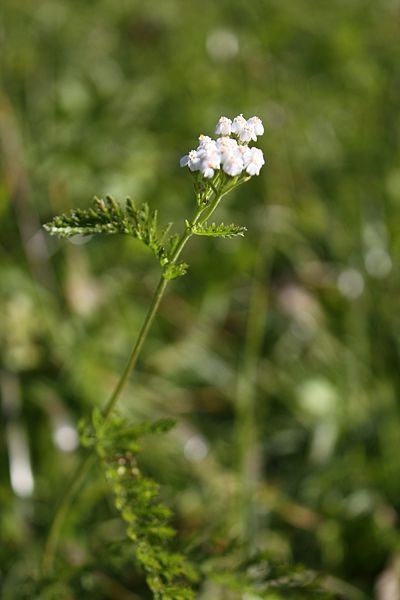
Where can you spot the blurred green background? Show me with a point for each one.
(278, 354)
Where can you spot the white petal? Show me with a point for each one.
(208, 172)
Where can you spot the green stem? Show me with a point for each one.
(84, 466)
(151, 313)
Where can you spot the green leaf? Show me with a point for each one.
(174, 270)
(104, 217)
(220, 230)
(136, 497)
(107, 217)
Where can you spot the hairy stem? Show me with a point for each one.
(84, 466)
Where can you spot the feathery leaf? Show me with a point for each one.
(220, 230)
(136, 497)
(107, 217)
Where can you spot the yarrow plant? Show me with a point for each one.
(217, 166)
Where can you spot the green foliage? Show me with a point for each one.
(173, 270)
(136, 497)
(300, 584)
(220, 230)
(169, 574)
(107, 217)
(262, 578)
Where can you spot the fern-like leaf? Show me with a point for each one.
(106, 217)
(136, 497)
(220, 230)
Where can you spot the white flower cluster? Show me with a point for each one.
(231, 154)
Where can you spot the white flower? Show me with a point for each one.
(257, 125)
(253, 160)
(209, 156)
(191, 160)
(206, 158)
(233, 164)
(231, 157)
(205, 140)
(238, 124)
(247, 130)
(209, 161)
(243, 150)
(226, 144)
(223, 126)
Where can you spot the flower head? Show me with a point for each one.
(231, 155)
